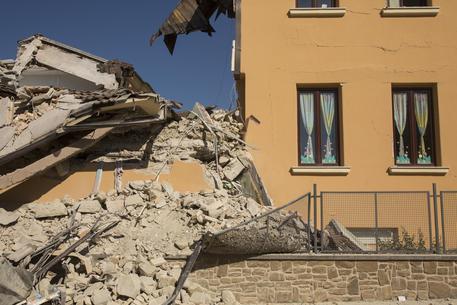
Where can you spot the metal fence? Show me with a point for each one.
(386, 221)
(448, 202)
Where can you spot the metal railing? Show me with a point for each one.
(388, 221)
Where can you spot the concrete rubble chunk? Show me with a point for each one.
(101, 297)
(47, 210)
(233, 169)
(133, 200)
(253, 207)
(158, 261)
(6, 136)
(7, 218)
(89, 207)
(200, 298)
(128, 285)
(115, 206)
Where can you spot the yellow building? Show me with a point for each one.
(350, 95)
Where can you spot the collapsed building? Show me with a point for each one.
(161, 184)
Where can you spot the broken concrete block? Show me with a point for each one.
(6, 135)
(164, 280)
(128, 285)
(48, 122)
(223, 160)
(137, 185)
(7, 218)
(89, 207)
(158, 261)
(101, 297)
(115, 206)
(146, 269)
(6, 111)
(46, 210)
(253, 207)
(233, 169)
(148, 285)
(133, 200)
(181, 244)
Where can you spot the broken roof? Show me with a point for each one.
(52, 89)
(190, 16)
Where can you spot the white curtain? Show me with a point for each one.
(400, 100)
(307, 115)
(328, 114)
(421, 111)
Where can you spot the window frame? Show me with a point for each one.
(314, 4)
(411, 121)
(425, 3)
(318, 129)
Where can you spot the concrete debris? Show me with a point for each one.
(15, 284)
(82, 93)
(7, 218)
(128, 285)
(53, 209)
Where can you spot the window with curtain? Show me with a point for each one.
(408, 3)
(413, 126)
(318, 127)
(316, 3)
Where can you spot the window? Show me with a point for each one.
(318, 127)
(316, 3)
(406, 3)
(413, 126)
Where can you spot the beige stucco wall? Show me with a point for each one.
(363, 52)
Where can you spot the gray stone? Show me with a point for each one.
(101, 297)
(383, 278)
(7, 218)
(253, 207)
(115, 206)
(384, 293)
(398, 283)
(353, 286)
(128, 285)
(367, 266)
(430, 267)
(228, 298)
(200, 298)
(89, 207)
(133, 200)
(233, 169)
(46, 210)
(439, 290)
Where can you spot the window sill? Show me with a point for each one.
(427, 171)
(320, 170)
(316, 12)
(426, 11)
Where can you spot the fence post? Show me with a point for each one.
(430, 230)
(443, 234)
(435, 209)
(315, 216)
(309, 220)
(376, 221)
(322, 221)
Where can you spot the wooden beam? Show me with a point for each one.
(20, 175)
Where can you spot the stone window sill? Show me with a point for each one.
(316, 12)
(430, 171)
(425, 11)
(320, 170)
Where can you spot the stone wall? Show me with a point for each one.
(291, 279)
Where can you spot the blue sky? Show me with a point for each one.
(199, 70)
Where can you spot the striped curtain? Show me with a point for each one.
(328, 114)
(400, 100)
(421, 111)
(307, 115)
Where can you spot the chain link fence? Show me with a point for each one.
(382, 222)
(448, 201)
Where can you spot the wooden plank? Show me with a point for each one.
(20, 175)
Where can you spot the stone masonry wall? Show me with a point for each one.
(292, 281)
